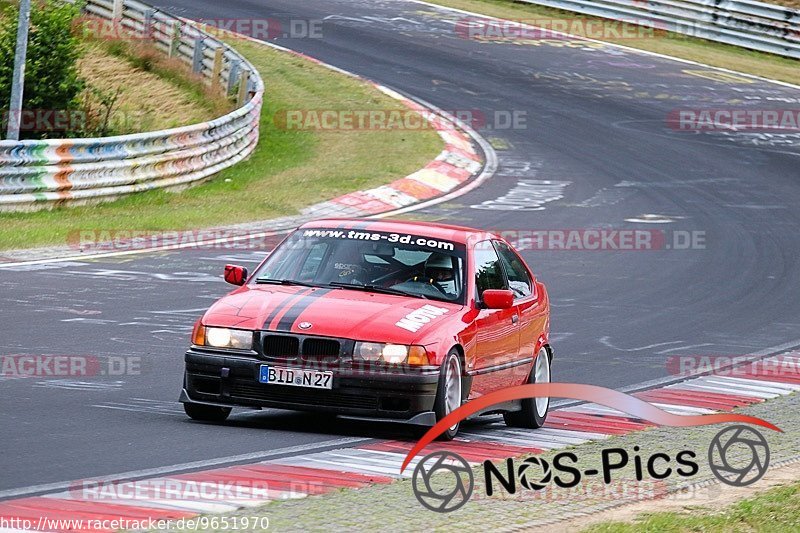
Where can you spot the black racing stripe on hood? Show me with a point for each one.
(296, 310)
(280, 306)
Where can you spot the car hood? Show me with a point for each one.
(340, 313)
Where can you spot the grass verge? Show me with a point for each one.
(152, 92)
(777, 509)
(693, 49)
(290, 169)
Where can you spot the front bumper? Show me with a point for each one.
(232, 380)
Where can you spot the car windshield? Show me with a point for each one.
(391, 263)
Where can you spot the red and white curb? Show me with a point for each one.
(227, 489)
(458, 163)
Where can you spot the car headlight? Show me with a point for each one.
(237, 339)
(393, 354)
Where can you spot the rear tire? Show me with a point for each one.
(534, 410)
(206, 413)
(448, 395)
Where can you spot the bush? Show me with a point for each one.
(52, 81)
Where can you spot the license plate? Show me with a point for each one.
(295, 377)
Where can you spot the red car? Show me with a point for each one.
(388, 320)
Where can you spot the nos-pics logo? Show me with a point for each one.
(444, 482)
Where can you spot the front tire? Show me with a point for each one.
(206, 413)
(534, 410)
(448, 395)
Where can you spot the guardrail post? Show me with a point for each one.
(233, 77)
(117, 9)
(175, 42)
(243, 87)
(216, 79)
(147, 31)
(197, 60)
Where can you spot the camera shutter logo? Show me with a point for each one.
(527, 474)
(738, 455)
(443, 482)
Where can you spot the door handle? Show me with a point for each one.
(514, 319)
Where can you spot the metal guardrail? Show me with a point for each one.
(744, 23)
(38, 174)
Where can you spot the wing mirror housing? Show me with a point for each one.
(235, 275)
(498, 298)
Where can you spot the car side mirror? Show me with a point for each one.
(497, 298)
(235, 275)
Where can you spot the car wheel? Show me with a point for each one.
(206, 413)
(448, 395)
(534, 410)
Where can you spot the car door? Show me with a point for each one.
(532, 315)
(497, 330)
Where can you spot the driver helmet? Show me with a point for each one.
(439, 268)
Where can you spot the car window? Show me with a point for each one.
(488, 272)
(313, 260)
(518, 279)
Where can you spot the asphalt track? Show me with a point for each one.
(596, 121)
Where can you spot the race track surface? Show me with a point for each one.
(595, 148)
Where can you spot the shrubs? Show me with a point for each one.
(52, 81)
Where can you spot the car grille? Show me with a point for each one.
(298, 347)
(321, 348)
(249, 390)
(281, 346)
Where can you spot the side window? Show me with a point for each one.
(518, 279)
(488, 272)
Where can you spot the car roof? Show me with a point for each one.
(459, 234)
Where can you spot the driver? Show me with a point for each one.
(439, 272)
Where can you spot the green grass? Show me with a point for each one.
(700, 50)
(775, 510)
(290, 169)
(147, 58)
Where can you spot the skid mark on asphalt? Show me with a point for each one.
(170, 322)
(253, 257)
(133, 275)
(144, 405)
(11, 267)
(606, 341)
(69, 384)
(606, 196)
